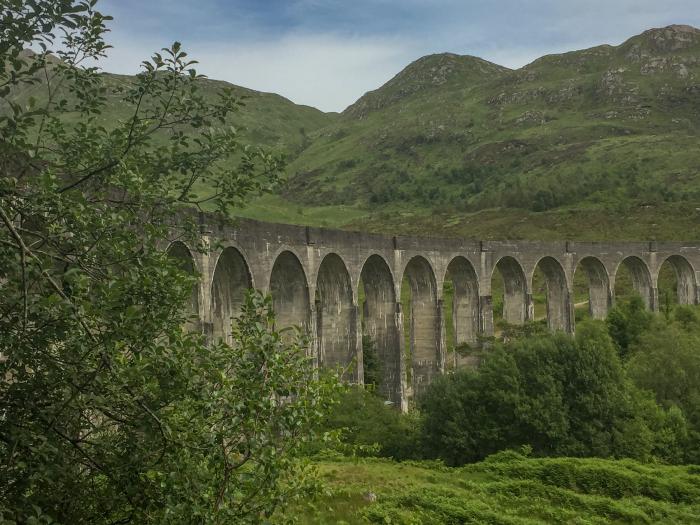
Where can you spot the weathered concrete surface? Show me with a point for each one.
(315, 274)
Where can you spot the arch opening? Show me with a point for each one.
(509, 292)
(380, 334)
(336, 319)
(632, 277)
(229, 285)
(676, 283)
(290, 292)
(462, 311)
(591, 288)
(421, 324)
(181, 254)
(555, 294)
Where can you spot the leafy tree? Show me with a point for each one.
(626, 322)
(559, 395)
(666, 362)
(369, 425)
(371, 363)
(111, 411)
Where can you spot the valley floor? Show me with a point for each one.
(506, 488)
(666, 221)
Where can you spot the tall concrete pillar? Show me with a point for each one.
(357, 336)
(654, 299)
(529, 308)
(312, 331)
(440, 332)
(316, 344)
(403, 387)
(486, 317)
(571, 312)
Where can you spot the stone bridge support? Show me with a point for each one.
(340, 287)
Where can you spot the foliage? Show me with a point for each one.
(559, 395)
(627, 321)
(376, 428)
(507, 488)
(371, 364)
(665, 360)
(112, 412)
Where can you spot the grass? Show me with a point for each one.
(273, 208)
(505, 489)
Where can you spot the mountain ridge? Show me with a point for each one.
(595, 143)
(604, 128)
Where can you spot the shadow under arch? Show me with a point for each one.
(424, 324)
(179, 251)
(641, 279)
(379, 325)
(289, 288)
(515, 303)
(336, 318)
(686, 285)
(229, 285)
(466, 312)
(599, 297)
(557, 294)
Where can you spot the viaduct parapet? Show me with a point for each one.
(341, 285)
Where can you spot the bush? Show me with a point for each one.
(370, 426)
(560, 395)
(666, 362)
(626, 323)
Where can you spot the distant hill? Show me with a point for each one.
(266, 118)
(599, 143)
(608, 133)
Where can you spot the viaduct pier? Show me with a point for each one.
(341, 285)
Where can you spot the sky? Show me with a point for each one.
(328, 53)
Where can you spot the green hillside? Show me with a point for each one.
(264, 119)
(589, 144)
(594, 144)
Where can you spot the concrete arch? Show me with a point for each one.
(230, 282)
(424, 323)
(599, 296)
(336, 318)
(515, 297)
(179, 251)
(685, 278)
(380, 324)
(641, 278)
(558, 302)
(289, 288)
(466, 313)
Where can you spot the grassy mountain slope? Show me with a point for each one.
(265, 119)
(595, 143)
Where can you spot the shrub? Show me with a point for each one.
(366, 420)
(561, 395)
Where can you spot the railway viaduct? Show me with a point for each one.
(339, 285)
